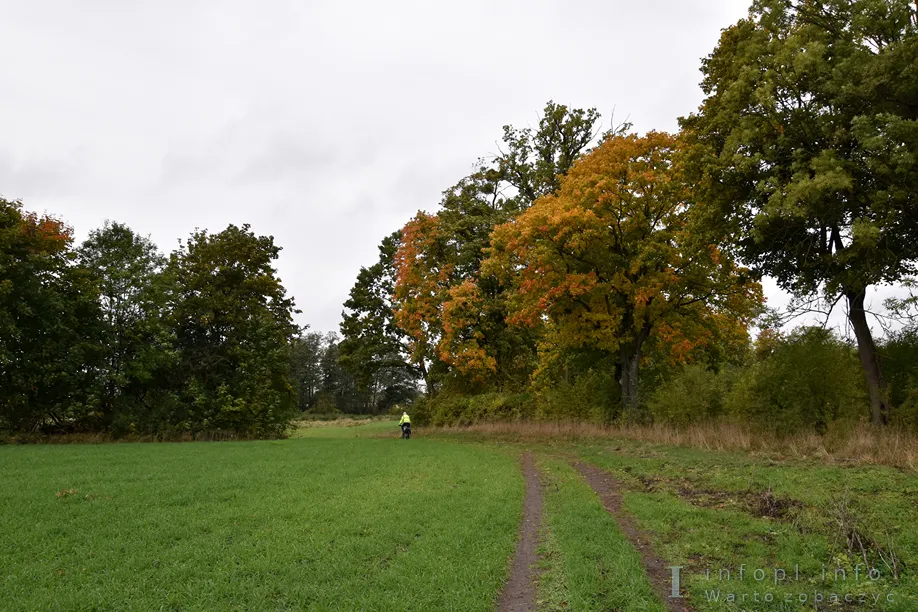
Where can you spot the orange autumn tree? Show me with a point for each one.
(49, 355)
(455, 315)
(453, 323)
(421, 286)
(613, 260)
(477, 341)
(463, 342)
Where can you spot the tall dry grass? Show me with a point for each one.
(861, 444)
(341, 421)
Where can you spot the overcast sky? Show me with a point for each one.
(326, 125)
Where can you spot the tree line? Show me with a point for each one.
(112, 336)
(579, 273)
(615, 276)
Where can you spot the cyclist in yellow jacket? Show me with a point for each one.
(405, 423)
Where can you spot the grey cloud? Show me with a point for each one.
(249, 159)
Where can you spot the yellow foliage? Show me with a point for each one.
(616, 255)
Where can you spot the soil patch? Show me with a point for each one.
(762, 504)
(766, 504)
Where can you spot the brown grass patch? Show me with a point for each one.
(761, 504)
(860, 445)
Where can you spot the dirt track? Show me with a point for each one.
(519, 592)
(660, 575)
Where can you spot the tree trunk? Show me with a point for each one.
(630, 361)
(425, 374)
(629, 382)
(374, 391)
(870, 360)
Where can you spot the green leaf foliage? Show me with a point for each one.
(807, 148)
(233, 324)
(136, 344)
(50, 349)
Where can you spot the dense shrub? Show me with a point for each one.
(899, 354)
(450, 409)
(906, 414)
(592, 396)
(692, 395)
(807, 380)
(810, 380)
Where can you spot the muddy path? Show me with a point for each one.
(519, 592)
(657, 569)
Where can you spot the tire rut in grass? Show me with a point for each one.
(519, 591)
(606, 487)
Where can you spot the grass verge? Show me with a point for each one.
(719, 514)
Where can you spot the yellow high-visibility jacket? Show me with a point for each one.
(405, 419)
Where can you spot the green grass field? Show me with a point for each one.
(313, 523)
(353, 518)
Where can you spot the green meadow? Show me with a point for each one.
(307, 523)
(353, 518)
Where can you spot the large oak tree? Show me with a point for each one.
(233, 325)
(808, 142)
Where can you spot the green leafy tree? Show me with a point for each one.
(49, 327)
(136, 346)
(900, 360)
(533, 162)
(373, 349)
(306, 369)
(807, 145)
(233, 325)
(339, 391)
